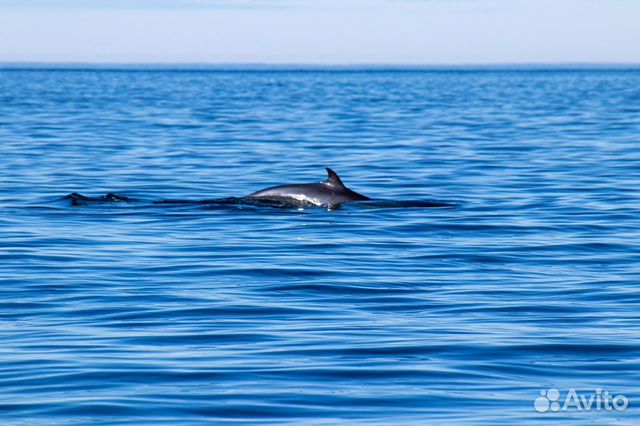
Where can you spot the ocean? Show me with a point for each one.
(487, 312)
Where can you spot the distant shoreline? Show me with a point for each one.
(117, 66)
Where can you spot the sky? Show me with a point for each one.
(421, 32)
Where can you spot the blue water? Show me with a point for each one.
(136, 313)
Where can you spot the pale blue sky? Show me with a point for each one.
(321, 31)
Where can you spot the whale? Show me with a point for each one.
(331, 192)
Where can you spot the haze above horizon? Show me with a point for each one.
(333, 32)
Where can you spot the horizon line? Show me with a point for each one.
(308, 66)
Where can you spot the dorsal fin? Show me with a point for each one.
(333, 179)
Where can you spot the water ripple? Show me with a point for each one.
(118, 312)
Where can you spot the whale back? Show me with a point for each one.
(330, 192)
